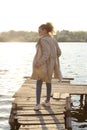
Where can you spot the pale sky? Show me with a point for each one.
(28, 15)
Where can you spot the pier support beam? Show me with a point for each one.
(12, 120)
(85, 102)
(68, 114)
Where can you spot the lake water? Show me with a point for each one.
(16, 62)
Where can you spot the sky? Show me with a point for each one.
(28, 15)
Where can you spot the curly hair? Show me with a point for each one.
(48, 26)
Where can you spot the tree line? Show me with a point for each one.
(26, 36)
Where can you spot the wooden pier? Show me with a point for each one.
(55, 117)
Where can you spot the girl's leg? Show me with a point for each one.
(48, 86)
(38, 90)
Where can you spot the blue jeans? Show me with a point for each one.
(39, 88)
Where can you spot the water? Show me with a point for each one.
(16, 62)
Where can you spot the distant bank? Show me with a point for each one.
(30, 36)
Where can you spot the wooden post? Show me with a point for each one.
(12, 121)
(68, 114)
(85, 102)
(81, 100)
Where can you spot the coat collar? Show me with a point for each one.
(46, 35)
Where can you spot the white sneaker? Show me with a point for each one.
(37, 107)
(46, 103)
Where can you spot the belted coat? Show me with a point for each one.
(47, 55)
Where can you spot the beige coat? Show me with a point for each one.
(47, 55)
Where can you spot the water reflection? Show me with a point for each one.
(79, 112)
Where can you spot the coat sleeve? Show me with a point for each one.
(58, 50)
(45, 51)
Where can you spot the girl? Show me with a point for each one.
(46, 62)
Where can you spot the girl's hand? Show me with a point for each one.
(37, 64)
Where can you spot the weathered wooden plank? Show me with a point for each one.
(41, 112)
(72, 89)
(36, 117)
(32, 87)
(33, 102)
(68, 78)
(53, 119)
(42, 122)
(27, 82)
(33, 99)
(60, 95)
(24, 105)
(43, 127)
(30, 107)
(64, 78)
